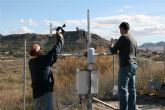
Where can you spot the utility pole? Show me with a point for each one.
(24, 77)
(113, 43)
(90, 66)
(88, 29)
(164, 63)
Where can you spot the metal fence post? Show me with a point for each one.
(89, 104)
(24, 77)
(113, 70)
(164, 63)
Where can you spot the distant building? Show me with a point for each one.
(77, 29)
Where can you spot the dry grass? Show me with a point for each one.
(64, 74)
(148, 70)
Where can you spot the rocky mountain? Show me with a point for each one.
(74, 40)
(153, 46)
(161, 44)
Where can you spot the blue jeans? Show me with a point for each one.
(45, 102)
(126, 87)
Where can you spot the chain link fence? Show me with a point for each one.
(12, 64)
(12, 69)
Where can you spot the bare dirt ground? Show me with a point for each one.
(143, 103)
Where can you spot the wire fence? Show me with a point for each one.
(16, 86)
(12, 69)
(12, 64)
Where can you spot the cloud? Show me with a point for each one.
(69, 23)
(54, 22)
(142, 26)
(125, 8)
(107, 34)
(74, 22)
(29, 22)
(21, 30)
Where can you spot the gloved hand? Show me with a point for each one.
(59, 28)
(59, 35)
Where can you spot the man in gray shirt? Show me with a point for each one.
(127, 47)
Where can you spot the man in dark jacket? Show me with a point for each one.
(127, 47)
(41, 74)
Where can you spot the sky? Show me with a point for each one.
(146, 17)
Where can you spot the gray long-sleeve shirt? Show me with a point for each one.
(127, 47)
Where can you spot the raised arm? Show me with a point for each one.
(51, 56)
(116, 47)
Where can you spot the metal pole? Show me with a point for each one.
(50, 29)
(24, 77)
(113, 70)
(88, 28)
(164, 63)
(104, 103)
(113, 43)
(89, 104)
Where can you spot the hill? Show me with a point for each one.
(153, 46)
(74, 40)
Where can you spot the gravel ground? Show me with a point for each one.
(143, 103)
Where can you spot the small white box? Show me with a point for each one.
(91, 55)
(82, 82)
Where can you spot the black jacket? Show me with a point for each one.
(41, 74)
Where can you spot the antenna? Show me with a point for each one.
(88, 28)
(164, 62)
(50, 29)
(90, 58)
